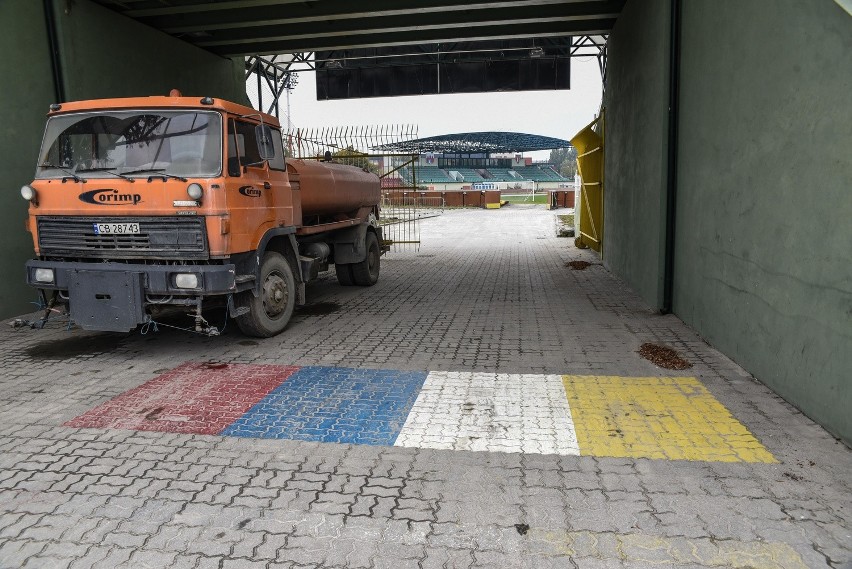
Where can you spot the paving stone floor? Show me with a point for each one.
(487, 296)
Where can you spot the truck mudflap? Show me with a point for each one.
(350, 243)
(112, 297)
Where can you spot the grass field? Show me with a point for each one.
(538, 198)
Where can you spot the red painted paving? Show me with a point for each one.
(193, 398)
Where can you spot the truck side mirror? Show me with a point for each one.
(264, 142)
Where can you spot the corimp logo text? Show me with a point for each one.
(249, 191)
(109, 196)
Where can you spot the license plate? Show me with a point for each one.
(116, 228)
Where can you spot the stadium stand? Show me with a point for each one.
(435, 175)
(539, 174)
(453, 161)
(469, 174)
(552, 174)
(405, 174)
(503, 175)
(432, 174)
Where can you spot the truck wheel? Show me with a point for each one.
(344, 274)
(270, 311)
(366, 273)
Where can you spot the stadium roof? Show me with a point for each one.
(478, 142)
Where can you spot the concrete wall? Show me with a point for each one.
(636, 123)
(107, 55)
(26, 93)
(763, 244)
(102, 54)
(763, 265)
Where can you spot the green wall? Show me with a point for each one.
(105, 54)
(763, 241)
(636, 103)
(26, 93)
(763, 263)
(102, 54)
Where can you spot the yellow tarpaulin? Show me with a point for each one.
(590, 154)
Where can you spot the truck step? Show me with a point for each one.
(239, 311)
(240, 279)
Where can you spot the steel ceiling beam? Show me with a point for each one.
(268, 9)
(387, 39)
(379, 25)
(246, 27)
(409, 11)
(158, 8)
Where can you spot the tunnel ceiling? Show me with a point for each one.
(246, 27)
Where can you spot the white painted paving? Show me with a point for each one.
(494, 412)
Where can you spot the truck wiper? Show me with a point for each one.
(109, 171)
(159, 173)
(71, 174)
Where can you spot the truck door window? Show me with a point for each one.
(242, 146)
(277, 163)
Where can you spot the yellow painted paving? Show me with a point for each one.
(673, 418)
(648, 550)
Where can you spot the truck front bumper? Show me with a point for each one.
(113, 296)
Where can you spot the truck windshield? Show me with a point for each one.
(103, 144)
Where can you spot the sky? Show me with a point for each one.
(559, 114)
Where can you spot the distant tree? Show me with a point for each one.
(353, 157)
(565, 161)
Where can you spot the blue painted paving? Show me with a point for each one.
(329, 404)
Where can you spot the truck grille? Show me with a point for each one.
(159, 238)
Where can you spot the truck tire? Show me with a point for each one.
(270, 311)
(366, 273)
(344, 274)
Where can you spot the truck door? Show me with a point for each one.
(287, 205)
(251, 198)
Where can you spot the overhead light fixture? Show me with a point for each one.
(536, 52)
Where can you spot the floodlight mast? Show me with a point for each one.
(291, 79)
(279, 76)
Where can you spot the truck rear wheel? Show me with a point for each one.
(366, 273)
(270, 311)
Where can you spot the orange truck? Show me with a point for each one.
(142, 206)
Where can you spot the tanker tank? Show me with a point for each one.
(328, 188)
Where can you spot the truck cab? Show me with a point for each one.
(145, 205)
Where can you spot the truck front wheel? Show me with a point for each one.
(270, 311)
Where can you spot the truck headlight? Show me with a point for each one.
(194, 191)
(186, 280)
(28, 193)
(43, 275)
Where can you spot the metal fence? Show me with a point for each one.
(401, 207)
